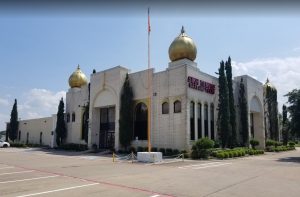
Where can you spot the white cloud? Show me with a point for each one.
(35, 103)
(4, 102)
(39, 103)
(296, 49)
(284, 73)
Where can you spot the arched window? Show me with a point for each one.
(141, 122)
(165, 108)
(68, 117)
(73, 117)
(212, 123)
(206, 120)
(192, 121)
(199, 108)
(177, 106)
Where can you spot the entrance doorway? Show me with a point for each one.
(107, 128)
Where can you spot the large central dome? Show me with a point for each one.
(77, 79)
(182, 47)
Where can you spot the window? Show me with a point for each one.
(141, 122)
(19, 137)
(73, 117)
(68, 117)
(165, 108)
(199, 108)
(41, 137)
(177, 107)
(192, 121)
(206, 120)
(212, 123)
(27, 138)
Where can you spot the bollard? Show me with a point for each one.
(113, 157)
(183, 157)
(131, 157)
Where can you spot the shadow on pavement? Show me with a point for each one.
(67, 153)
(290, 159)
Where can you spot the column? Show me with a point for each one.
(208, 120)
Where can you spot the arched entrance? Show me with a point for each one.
(103, 119)
(256, 121)
(140, 122)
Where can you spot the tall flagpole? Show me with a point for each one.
(149, 87)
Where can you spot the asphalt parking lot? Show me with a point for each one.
(38, 172)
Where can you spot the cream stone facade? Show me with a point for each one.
(184, 105)
(37, 131)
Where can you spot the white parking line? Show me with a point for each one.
(197, 165)
(21, 180)
(19, 172)
(58, 190)
(6, 167)
(216, 165)
(204, 165)
(155, 196)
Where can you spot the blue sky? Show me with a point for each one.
(38, 52)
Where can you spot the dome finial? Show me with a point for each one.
(267, 80)
(182, 29)
(77, 79)
(182, 47)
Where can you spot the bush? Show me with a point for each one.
(169, 152)
(154, 149)
(19, 145)
(202, 147)
(270, 143)
(291, 143)
(140, 149)
(254, 143)
(194, 154)
(220, 155)
(204, 143)
(176, 152)
(163, 151)
(226, 155)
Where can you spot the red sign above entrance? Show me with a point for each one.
(200, 85)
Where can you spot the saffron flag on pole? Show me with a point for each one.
(149, 28)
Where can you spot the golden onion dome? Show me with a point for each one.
(268, 84)
(182, 47)
(77, 79)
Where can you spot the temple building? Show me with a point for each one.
(184, 105)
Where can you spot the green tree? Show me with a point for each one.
(223, 116)
(14, 123)
(126, 114)
(271, 99)
(61, 131)
(294, 112)
(243, 106)
(285, 131)
(232, 118)
(85, 123)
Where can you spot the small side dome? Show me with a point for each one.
(268, 84)
(77, 79)
(182, 47)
